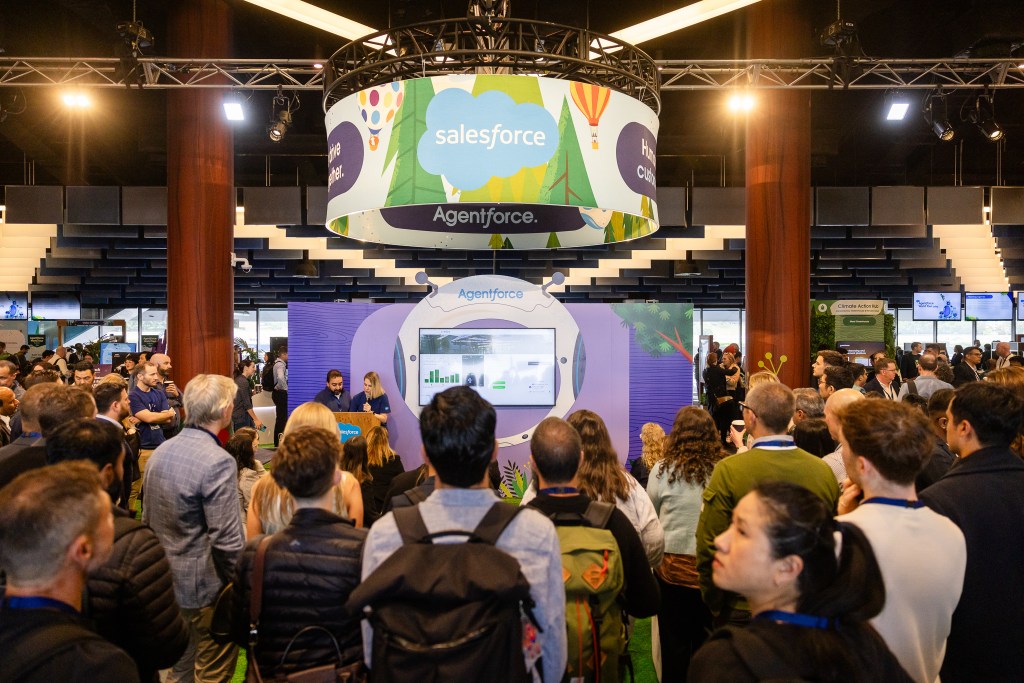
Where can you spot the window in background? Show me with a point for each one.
(246, 328)
(723, 325)
(153, 323)
(273, 322)
(909, 330)
(989, 331)
(953, 333)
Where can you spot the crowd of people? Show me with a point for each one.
(862, 529)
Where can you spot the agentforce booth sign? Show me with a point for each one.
(491, 162)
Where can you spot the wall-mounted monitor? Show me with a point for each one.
(988, 305)
(1020, 306)
(56, 307)
(508, 367)
(13, 305)
(108, 349)
(937, 305)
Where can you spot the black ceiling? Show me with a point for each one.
(698, 145)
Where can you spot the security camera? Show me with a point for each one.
(241, 262)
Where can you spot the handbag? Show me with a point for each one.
(325, 673)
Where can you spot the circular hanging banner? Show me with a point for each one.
(491, 162)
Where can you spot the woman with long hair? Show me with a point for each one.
(676, 488)
(243, 414)
(603, 478)
(353, 460)
(242, 445)
(271, 506)
(372, 398)
(382, 466)
(812, 582)
(652, 449)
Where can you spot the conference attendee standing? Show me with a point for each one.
(149, 406)
(280, 393)
(967, 370)
(884, 382)
(984, 495)
(335, 396)
(372, 398)
(191, 486)
(926, 383)
(908, 364)
(922, 554)
(244, 415)
(1003, 355)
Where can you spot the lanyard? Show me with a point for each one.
(896, 502)
(559, 489)
(775, 443)
(36, 602)
(795, 618)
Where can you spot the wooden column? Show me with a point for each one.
(778, 176)
(200, 202)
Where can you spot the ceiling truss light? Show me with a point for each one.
(281, 111)
(741, 103)
(898, 106)
(233, 110)
(936, 113)
(983, 116)
(76, 100)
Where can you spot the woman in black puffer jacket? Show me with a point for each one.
(311, 565)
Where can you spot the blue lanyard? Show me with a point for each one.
(36, 602)
(795, 618)
(559, 489)
(774, 442)
(896, 502)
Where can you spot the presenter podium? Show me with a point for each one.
(362, 421)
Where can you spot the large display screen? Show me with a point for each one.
(108, 349)
(13, 305)
(56, 307)
(1020, 306)
(508, 367)
(937, 306)
(989, 305)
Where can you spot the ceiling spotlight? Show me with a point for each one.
(233, 110)
(899, 105)
(281, 114)
(741, 103)
(936, 114)
(76, 100)
(982, 115)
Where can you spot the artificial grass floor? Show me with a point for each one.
(639, 649)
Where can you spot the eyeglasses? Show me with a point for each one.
(744, 406)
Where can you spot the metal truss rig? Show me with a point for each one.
(302, 74)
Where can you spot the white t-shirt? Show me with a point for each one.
(922, 556)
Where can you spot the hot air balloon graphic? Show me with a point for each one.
(591, 101)
(377, 106)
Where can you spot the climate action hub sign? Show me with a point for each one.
(491, 162)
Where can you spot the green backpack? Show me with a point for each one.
(594, 578)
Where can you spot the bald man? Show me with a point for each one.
(8, 405)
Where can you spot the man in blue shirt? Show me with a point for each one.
(335, 396)
(149, 406)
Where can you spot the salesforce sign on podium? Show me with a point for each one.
(491, 162)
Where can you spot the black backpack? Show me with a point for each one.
(447, 611)
(267, 378)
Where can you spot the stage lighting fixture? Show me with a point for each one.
(76, 100)
(278, 128)
(741, 103)
(899, 105)
(982, 115)
(936, 114)
(281, 114)
(233, 110)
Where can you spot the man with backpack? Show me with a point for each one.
(445, 609)
(602, 556)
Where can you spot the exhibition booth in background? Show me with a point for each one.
(514, 343)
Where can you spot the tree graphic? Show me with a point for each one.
(566, 180)
(553, 242)
(657, 326)
(410, 184)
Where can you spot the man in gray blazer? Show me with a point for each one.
(191, 489)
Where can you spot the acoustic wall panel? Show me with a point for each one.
(897, 206)
(34, 204)
(843, 206)
(93, 205)
(144, 205)
(272, 205)
(955, 205)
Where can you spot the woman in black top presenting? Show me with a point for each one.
(813, 584)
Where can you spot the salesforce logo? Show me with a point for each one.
(347, 431)
(470, 139)
(489, 294)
